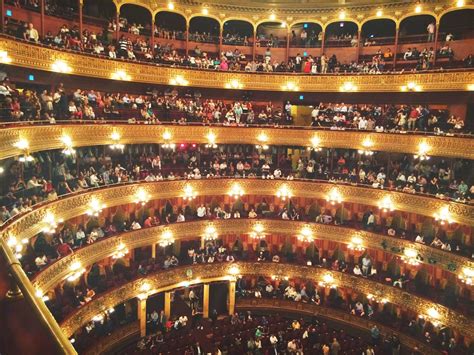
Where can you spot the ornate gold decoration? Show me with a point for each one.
(55, 273)
(48, 137)
(206, 273)
(41, 58)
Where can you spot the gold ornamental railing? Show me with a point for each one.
(47, 137)
(51, 276)
(207, 273)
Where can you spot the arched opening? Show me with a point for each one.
(341, 34)
(378, 32)
(306, 35)
(271, 34)
(99, 9)
(417, 29)
(204, 30)
(238, 33)
(456, 25)
(135, 20)
(170, 25)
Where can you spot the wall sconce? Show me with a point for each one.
(411, 257)
(306, 235)
(262, 138)
(167, 138)
(356, 244)
(95, 207)
(315, 144)
(170, 6)
(443, 216)
(348, 87)
(16, 246)
(284, 193)
(50, 223)
(367, 144)
(290, 86)
(76, 271)
(460, 3)
(379, 13)
(205, 11)
(334, 197)
(179, 80)
(386, 204)
(433, 316)
(342, 15)
(470, 87)
(60, 66)
(115, 136)
(423, 149)
(211, 140)
(98, 318)
(467, 275)
(121, 75)
(272, 17)
(68, 148)
(418, 9)
(189, 193)
(210, 233)
(234, 270)
(328, 281)
(377, 299)
(166, 239)
(24, 146)
(142, 197)
(236, 191)
(121, 251)
(257, 232)
(234, 84)
(411, 86)
(4, 58)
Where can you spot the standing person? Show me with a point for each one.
(431, 31)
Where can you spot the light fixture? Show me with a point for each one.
(189, 193)
(142, 196)
(2, 170)
(166, 239)
(98, 318)
(179, 80)
(167, 140)
(116, 145)
(4, 58)
(262, 138)
(234, 84)
(470, 87)
(49, 223)
(211, 140)
(283, 24)
(411, 257)
(68, 148)
(342, 15)
(418, 9)
(379, 13)
(258, 232)
(205, 11)
(315, 144)
(16, 246)
(76, 271)
(366, 144)
(423, 149)
(24, 146)
(327, 281)
(210, 233)
(356, 244)
(272, 17)
(121, 75)
(377, 299)
(41, 295)
(443, 216)
(234, 270)
(433, 316)
(386, 204)
(306, 235)
(121, 251)
(467, 275)
(236, 191)
(348, 86)
(290, 86)
(334, 197)
(95, 207)
(60, 66)
(170, 6)
(280, 277)
(284, 193)
(411, 86)
(460, 3)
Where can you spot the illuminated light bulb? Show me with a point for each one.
(236, 191)
(121, 75)
(379, 13)
(342, 15)
(4, 58)
(22, 144)
(410, 256)
(98, 318)
(210, 233)
(418, 9)
(121, 251)
(68, 148)
(460, 3)
(443, 215)
(348, 87)
(76, 271)
(386, 204)
(142, 197)
(284, 192)
(234, 270)
(205, 11)
(211, 139)
(306, 235)
(166, 239)
(189, 193)
(356, 244)
(467, 276)
(170, 6)
(334, 197)
(272, 17)
(315, 144)
(179, 80)
(290, 86)
(95, 207)
(60, 66)
(234, 84)
(283, 24)
(423, 150)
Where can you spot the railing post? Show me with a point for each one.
(167, 307)
(187, 36)
(395, 54)
(42, 8)
(435, 47)
(205, 301)
(81, 5)
(231, 297)
(141, 310)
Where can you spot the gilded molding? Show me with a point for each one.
(205, 273)
(47, 137)
(276, 305)
(105, 344)
(51, 276)
(41, 58)
(30, 224)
